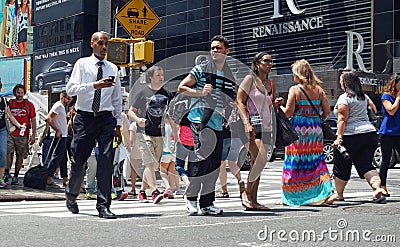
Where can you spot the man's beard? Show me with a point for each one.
(19, 97)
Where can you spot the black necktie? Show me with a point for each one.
(97, 92)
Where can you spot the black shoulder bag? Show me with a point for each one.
(327, 131)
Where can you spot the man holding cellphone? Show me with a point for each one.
(98, 119)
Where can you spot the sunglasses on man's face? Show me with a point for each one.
(267, 61)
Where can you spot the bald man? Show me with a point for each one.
(96, 84)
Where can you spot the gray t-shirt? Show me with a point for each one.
(357, 121)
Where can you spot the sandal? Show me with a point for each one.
(222, 195)
(380, 200)
(248, 205)
(260, 207)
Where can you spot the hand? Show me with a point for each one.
(104, 83)
(58, 134)
(207, 89)
(118, 136)
(337, 143)
(141, 122)
(32, 140)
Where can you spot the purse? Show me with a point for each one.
(327, 131)
(285, 132)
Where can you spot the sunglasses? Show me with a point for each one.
(267, 61)
(68, 98)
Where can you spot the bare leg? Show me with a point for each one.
(340, 185)
(223, 177)
(134, 166)
(374, 181)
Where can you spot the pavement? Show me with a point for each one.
(22, 193)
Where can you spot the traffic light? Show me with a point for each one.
(144, 51)
(118, 52)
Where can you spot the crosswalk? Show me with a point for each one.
(269, 194)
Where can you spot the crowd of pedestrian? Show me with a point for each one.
(197, 148)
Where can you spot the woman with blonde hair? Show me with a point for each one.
(305, 176)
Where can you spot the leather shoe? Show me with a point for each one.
(106, 214)
(72, 205)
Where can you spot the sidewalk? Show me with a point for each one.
(22, 193)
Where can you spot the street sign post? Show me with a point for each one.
(137, 18)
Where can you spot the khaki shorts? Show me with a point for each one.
(19, 144)
(151, 148)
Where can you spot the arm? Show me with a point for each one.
(125, 130)
(326, 109)
(132, 114)
(116, 98)
(372, 105)
(43, 135)
(241, 99)
(343, 114)
(12, 118)
(291, 103)
(392, 108)
(50, 122)
(186, 87)
(33, 136)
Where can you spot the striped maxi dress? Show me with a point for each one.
(305, 176)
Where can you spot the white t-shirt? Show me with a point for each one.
(60, 120)
(357, 122)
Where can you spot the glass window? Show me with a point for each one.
(176, 8)
(198, 4)
(383, 26)
(175, 51)
(177, 19)
(160, 11)
(198, 14)
(383, 5)
(198, 37)
(196, 26)
(176, 41)
(176, 30)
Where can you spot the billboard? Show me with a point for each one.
(53, 66)
(50, 10)
(15, 71)
(16, 28)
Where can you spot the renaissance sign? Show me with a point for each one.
(290, 26)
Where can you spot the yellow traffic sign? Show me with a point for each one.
(137, 18)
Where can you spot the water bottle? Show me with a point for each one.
(344, 153)
(23, 128)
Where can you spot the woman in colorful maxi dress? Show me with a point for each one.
(305, 176)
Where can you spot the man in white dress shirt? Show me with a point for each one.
(96, 83)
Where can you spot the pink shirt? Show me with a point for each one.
(185, 136)
(258, 102)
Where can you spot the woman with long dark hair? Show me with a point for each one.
(357, 135)
(390, 127)
(255, 96)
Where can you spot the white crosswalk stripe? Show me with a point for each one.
(269, 193)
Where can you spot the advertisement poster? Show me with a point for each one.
(53, 66)
(14, 71)
(16, 28)
(49, 10)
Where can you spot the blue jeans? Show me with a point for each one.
(3, 147)
(183, 152)
(46, 149)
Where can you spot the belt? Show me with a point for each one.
(92, 114)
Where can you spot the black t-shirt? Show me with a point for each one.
(3, 113)
(151, 105)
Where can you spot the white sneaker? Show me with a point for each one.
(191, 207)
(212, 210)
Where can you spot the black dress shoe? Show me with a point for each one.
(106, 213)
(72, 205)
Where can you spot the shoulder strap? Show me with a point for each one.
(309, 100)
(27, 109)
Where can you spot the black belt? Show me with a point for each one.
(92, 114)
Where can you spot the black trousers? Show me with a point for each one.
(387, 145)
(208, 149)
(87, 130)
(58, 157)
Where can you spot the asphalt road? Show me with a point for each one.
(355, 222)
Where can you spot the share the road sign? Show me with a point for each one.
(137, 18)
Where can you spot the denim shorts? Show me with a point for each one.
(231, 148)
